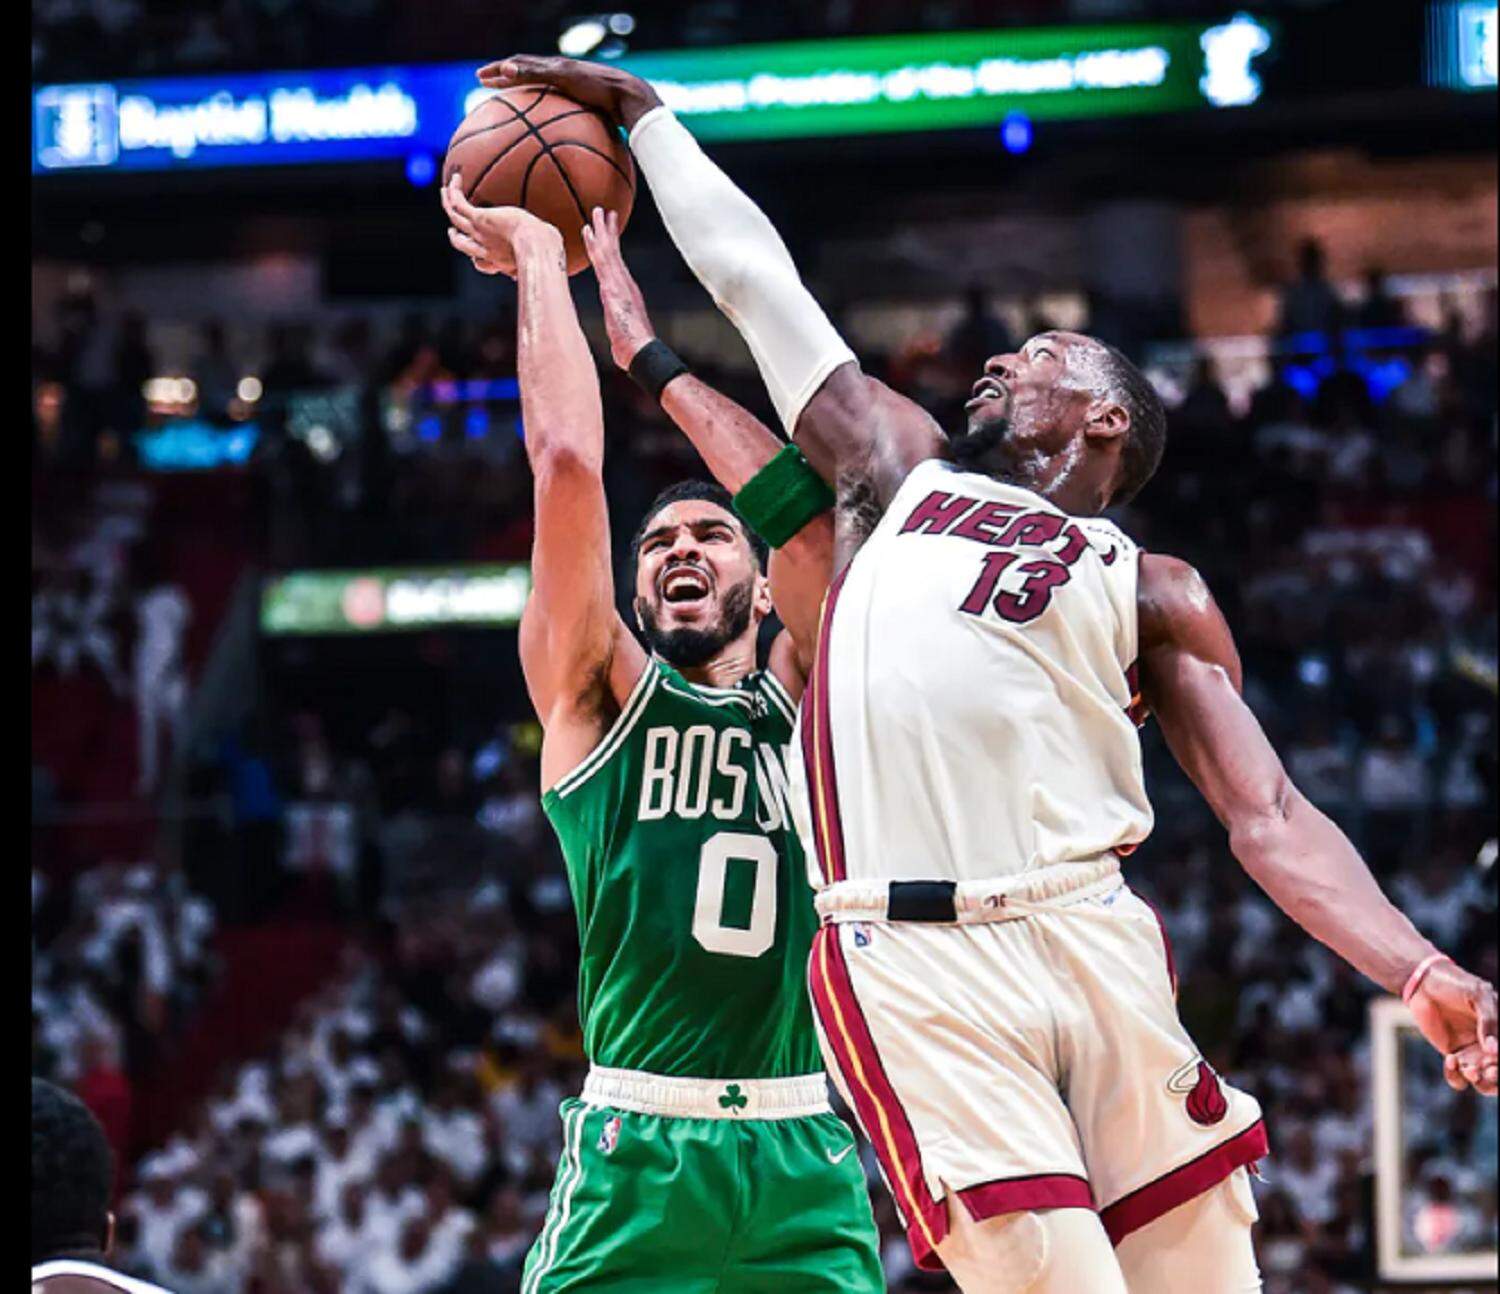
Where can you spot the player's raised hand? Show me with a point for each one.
(1456, 1013)
(619, 95)
(625, 317)
(488, 235)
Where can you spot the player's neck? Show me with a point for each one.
(1065, 483)
(726, 667)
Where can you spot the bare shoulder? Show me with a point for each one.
(73, 1285)
(1178, 617)
(70, 1277)
(1171, 596)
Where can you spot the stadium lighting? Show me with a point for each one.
(249, 389)
(1015, 133)
(582, 37)
(421, 170)
(622, 24)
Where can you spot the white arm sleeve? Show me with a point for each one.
(739, 257)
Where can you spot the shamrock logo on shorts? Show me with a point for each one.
(733, 1099)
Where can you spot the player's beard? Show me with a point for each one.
(686, 647)
(975, 449)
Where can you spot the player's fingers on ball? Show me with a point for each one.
(502, 71)
(460, 210)
(470, 247)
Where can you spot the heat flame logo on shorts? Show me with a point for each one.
(1206, 1103)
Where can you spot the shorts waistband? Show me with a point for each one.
(970, 902)
(707, 1098)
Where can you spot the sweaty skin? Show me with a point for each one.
(1066, 444)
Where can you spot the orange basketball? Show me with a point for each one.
(530, 146)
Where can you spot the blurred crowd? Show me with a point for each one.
(401, 1136)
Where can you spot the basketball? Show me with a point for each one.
(529, 146)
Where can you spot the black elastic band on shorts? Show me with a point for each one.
(921, 901)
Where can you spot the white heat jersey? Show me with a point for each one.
(970, 711)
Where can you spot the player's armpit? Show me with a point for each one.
(857, 429)
(1190, 677)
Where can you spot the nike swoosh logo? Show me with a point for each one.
(838, 1158)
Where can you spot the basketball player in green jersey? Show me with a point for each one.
(702, 1156)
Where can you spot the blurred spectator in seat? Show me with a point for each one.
(344, 1239)
(102, 1085)
(216, 375)
(134, 366)
(162, 615)
(1309, 304)
(1319, 764)
(1378, 308)
(289, 366)
(1306, 1177)
(196, 1267)
(161, 1209)
(980, 334)
(413, 1265)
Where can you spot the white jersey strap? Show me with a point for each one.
(93, 1271)
(706, 1098)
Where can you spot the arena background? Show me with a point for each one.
(300, 936)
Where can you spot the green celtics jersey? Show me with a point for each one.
(694, 915)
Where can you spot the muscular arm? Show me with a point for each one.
(1190, 677)
(733, 443)
(861, 436)
(578, 658)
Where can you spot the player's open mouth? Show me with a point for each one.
(987, 388)
(684, 584)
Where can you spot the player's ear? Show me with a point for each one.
(635, 608)
(1106, 420)
(762, 603)
(109, 1232)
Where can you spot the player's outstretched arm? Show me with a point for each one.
(859, 434)
(732, 441)
(1190, 675)
(578, 657)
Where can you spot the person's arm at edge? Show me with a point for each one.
(1191, 679)
(578, 658)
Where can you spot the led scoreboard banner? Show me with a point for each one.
(806, 88)
(390, 599)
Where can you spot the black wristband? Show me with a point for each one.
(654, 365)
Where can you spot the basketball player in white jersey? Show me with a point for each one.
(72, 1172)
(996, 1005)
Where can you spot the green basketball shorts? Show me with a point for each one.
(693, 1186)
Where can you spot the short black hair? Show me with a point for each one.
(708, 492)
(72, 1174)
(1132, 390)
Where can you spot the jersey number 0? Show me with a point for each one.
(713, 876)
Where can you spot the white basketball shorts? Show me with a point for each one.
(1028, 1056)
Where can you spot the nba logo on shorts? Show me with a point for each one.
(609, 1135)
(861, 933)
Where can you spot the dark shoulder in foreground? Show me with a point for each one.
(86, 1278)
